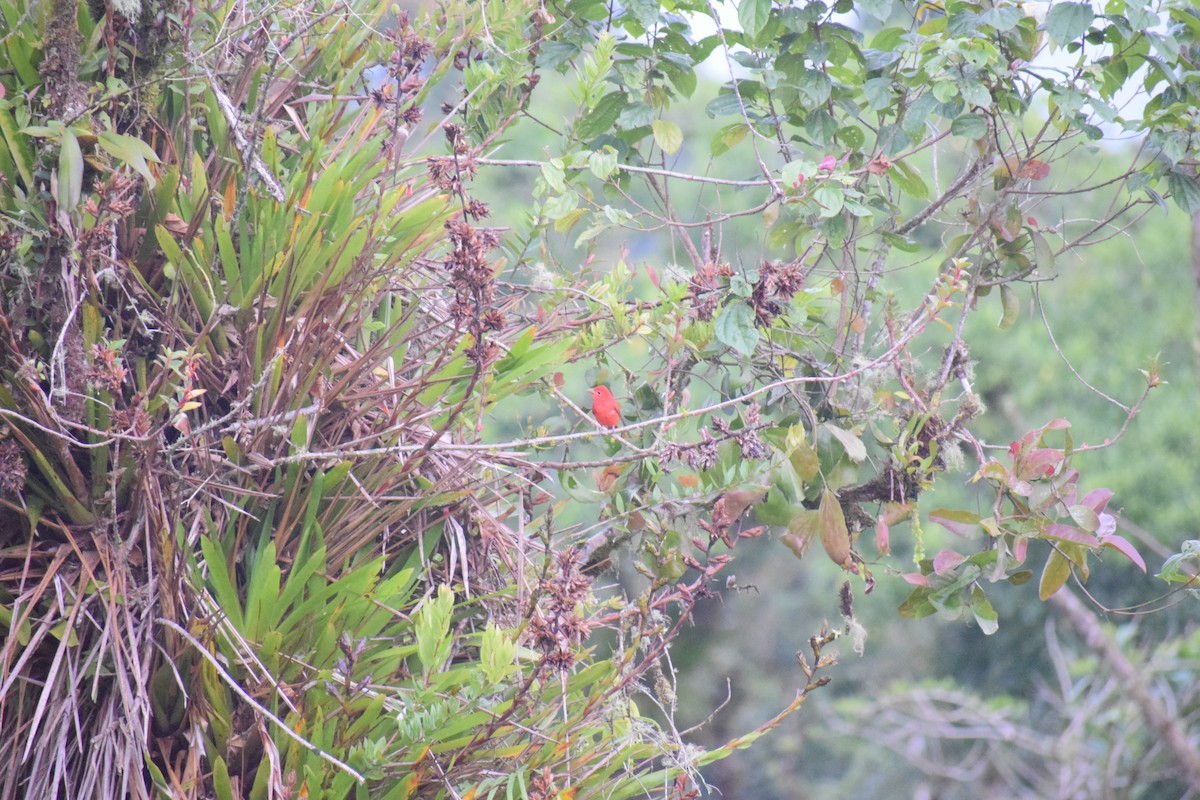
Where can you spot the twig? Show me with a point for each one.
(663, 173)
(244, 146)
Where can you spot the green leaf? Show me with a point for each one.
(727, 137)
(1184, 192)
(682, 77)
(734, 327)
(17, 146)
(1066, 22)
(130, 151)
(775, 509)
(879, 9)
(1181, 567)
(917, 605)
(971, 126)
(667, 135)
(725, 103)
(219, 580)
(222, 786)
(815, 86)
(976, 94)
(70, 171)
(1087, 519)
(909, 180)
(802, 455)
(554, 174)
(794, 172)
(878, 93)
(853, 137)
(635, 116)
(603, 162)
(645, 11)
(1054, 575)
(555, 53)
(753, 15)
(831, 200)
(602, 117)
(1011, 305)
(945, 91)
(432, 628)
(1043, 252)
(985, 615)
(856, 451)
(803, 528)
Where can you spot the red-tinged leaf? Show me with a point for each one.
(960, 523)
(1085, 518)
(1056, 424)
(1122, 546)
(1069, 534)
(1034, 170)
(653, 276)
(827, 164)
(882, 536)
(797, 544)
(1097, 499)
(1067, 483)
(1019, 488)
(1020, 549)
(915, 579)
(894, 512)
(1006, 230)
(947, 560)
(1039, 463)
(1107, 527)
(1054, 575)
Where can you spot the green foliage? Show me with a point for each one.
(273, 525)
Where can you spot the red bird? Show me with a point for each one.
(605, 407)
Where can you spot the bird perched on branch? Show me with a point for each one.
(605, 407)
